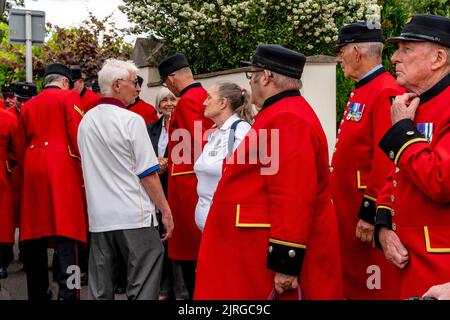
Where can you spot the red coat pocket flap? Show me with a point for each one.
(437, 239)
(252, 216)
(181, 169)
(361, 179)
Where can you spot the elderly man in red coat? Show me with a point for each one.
(413, 212)
(359, 168)
(88, 97)
(7, 125)
(182, 182)
(272, 224)
(53, 205)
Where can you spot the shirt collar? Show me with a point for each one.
(52, 87)
(82, 92)
(192, 85)
(435, 90)
(134, 103)
(275, 98)
(372, 74)
(227, 124)
(113, 101)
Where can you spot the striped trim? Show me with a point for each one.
(248, 225)
(72, 154)
(180, 173)
(78, 110)
(384, 207)
(370, 198)
(358, 181)
(406, 145)
(428, 245)
(289, 244)
(149, 171)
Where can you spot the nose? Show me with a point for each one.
(394, 58)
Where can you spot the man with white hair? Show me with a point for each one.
(359, 168)
(122, 188)
(413, 211)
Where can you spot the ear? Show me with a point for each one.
(224, 103)
(439, 59)
(266, 76)
(357, 53)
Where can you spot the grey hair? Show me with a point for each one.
(112, 70)
(285, 82)
(184, 71)
(54, 78)
(372, 49)
(162, 93)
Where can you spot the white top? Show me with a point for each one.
(208, 166)
(116, 153)
(163, 140)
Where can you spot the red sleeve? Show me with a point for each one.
(291, 211)
(74, 114)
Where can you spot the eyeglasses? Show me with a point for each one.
(163, 82)
(249, 74)
(135, 82)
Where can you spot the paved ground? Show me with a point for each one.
(15, 287)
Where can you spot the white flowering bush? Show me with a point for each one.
(217, 35)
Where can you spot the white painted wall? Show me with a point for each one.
(319, 89)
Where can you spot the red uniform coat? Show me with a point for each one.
(182, 182)
(358, 172)
(145, 110)
(7, 122)
(416, 203)
(16, 180)
(283, 221)
(2, 104)
(89, 99)
(52, 197)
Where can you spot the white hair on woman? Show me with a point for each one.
(113, 70)
(162, 93)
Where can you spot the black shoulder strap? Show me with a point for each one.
(232, 137)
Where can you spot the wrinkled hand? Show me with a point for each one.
(285, 282)
(404, 108)
(364, 232)
(163, 163)
(167, 221)
(394, 250)
(439, 292)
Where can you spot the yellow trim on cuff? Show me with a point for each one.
(428, 245)
(73, 155)
(384, 207)
(370, 198)
(8, 168)
(358, 181)
(78, 110)
(180, 173)
(289, 244)
(248, 225)
(406, 145)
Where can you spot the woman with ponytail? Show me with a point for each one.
(229, 106)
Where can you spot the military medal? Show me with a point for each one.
(426, 129)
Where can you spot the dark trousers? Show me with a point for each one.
(36, 261)
(6, 255)
(188, 268)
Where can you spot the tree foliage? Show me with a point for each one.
(88, 45)
(217, 35)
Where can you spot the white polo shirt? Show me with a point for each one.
(116, 153)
